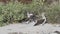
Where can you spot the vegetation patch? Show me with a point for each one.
(11, 12)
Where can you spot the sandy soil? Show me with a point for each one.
(30, 29)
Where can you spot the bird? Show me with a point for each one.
(31, 16)
(41, 21)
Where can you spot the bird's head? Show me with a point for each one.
(29, 14)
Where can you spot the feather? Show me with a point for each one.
(39, 22)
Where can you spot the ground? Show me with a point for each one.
(30, 29)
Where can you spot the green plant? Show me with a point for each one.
(17, 11)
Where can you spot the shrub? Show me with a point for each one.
(17, 11)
